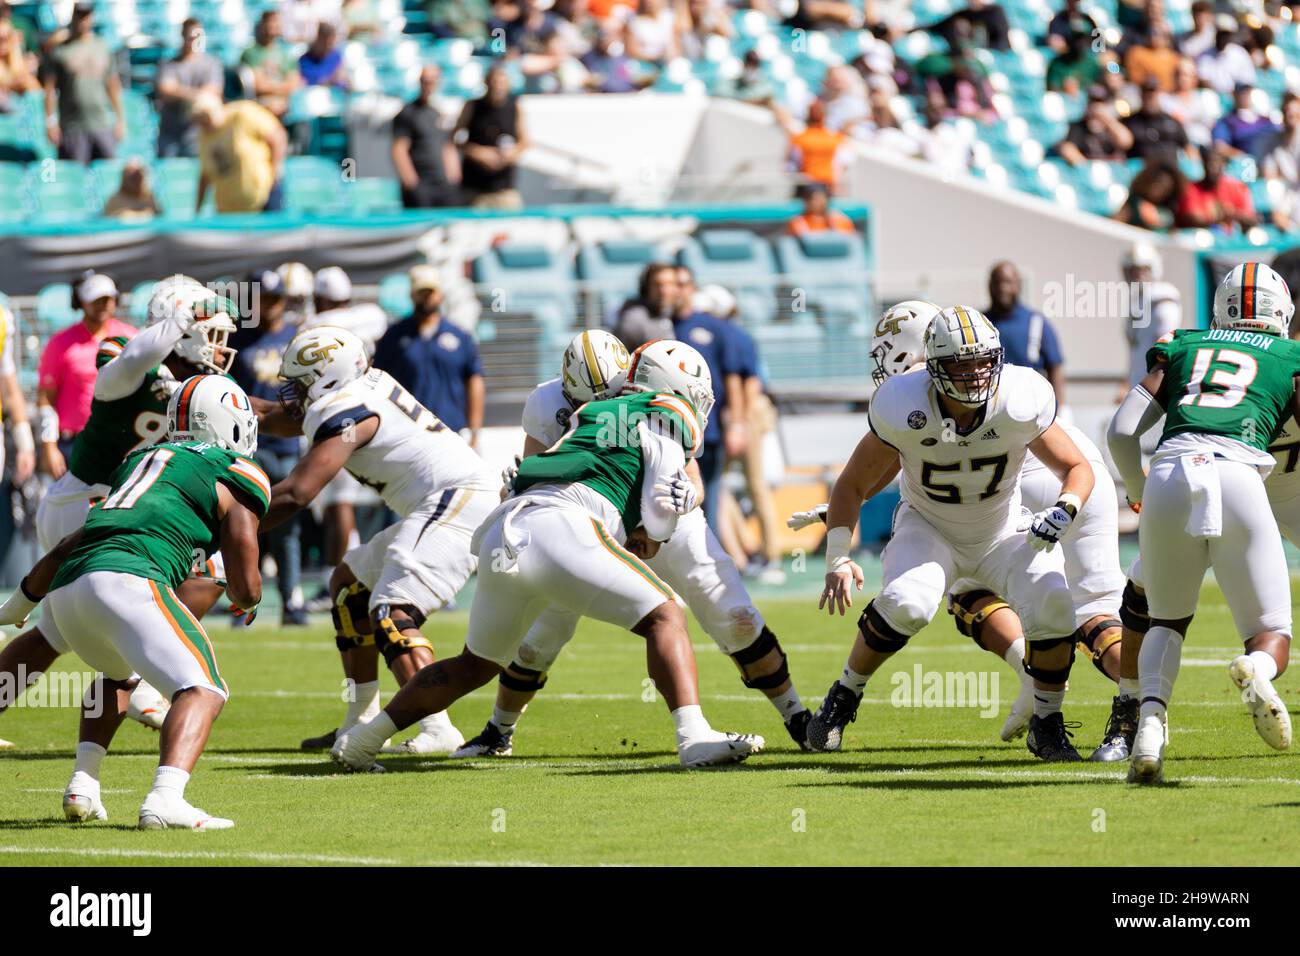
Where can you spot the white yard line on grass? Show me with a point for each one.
(257, 857)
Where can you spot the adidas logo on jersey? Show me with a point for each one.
(990, 434)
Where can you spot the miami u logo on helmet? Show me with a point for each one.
(236, 401)
(314, 352)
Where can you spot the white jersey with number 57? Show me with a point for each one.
(966, 485)
(412, 458)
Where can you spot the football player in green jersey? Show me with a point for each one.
(1224, 394)
(583, 517)
(186, 335)
(111, 589)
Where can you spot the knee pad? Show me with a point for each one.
(764, 645)
(1049, 675)
(525, 680)
(390, 623)
(350, 606)
(877, 633)
(1133, 610)
(970, 622)
(1095, 645)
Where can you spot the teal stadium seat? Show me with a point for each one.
(313, 186)
(138, 305)
(395, 295)
(54, 308)
(372, 195)
(612, 267)
(832, 268)
(739, 260)
(60, 190)
(528, 277)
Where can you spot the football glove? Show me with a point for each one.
(1048, 527)
(677, 494)
(802, 519)
(509, 473)
(243, 615)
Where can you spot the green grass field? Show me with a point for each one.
(594, 779)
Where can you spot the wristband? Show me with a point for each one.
(838, 542)
(1070, 504)
(47, 419)
(22, 436)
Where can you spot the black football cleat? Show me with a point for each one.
(323, 742)
(490, 742)
(1049, 740)
(1117, 742)
(838, 710)
(797, 728)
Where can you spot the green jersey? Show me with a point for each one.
(602, 448)
(118, 427)
(1227, 382)
(160, 519)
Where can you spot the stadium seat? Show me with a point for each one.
(54, 308)
(312, 186)
(611, 268)
(138, 303)
(372, 195)
(59, 189)
(395, 294)
(739, 260)
(532, 278)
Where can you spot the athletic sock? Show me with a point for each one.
(505, 720)
(1015, 658)
(89, 757)
(1129, 688)
(1162, 651)
(690, 723)
(1265, 666)
(435, 724)
(788, 704)
(1047, 702)
(170, 781)
(854, 681)
(372, 732)
(363, 705)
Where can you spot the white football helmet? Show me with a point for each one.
(203, 343)
(667, 365)
(321, 360)
(212, 408)
(1253, 297)
(297, 279)
(963, 355)
(1143, 255)
(595, 367)
(899, 340)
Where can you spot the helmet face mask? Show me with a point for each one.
(318, 361)
(899, 339)
(970, 381)
(964, 356)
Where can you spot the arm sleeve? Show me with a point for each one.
(663, 457)
(1134, 417)
(124, 374)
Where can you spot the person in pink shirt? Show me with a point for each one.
(67, 369)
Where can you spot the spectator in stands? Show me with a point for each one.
(651, 34)
(1244, 132)
(257, 370)
(180, 80)
(17, 67)
(1227, 64)
(492, 137)
(1028, 338)
(844, 93)
(1200, 38)
(817, 214)
(945, 146)
(83, 94)
(881, 127)
(1075, 68)
(1154, 194)
(1097, 135)
(134, 201)
(834, 15)
(700, 21)
(962, 78)
(423, 152)
(302, 18)
(461, 18)
(1218, 201)
(273, 69)
(751, 84)
(816, 153)
(1197, 110)
(66, 376)
(434, 360)
(1154, 57)
(649, 315)
(242, 148)
(611, 69)
(986, 26)
(360, 20)
(322, 63)
(1155, 132)
(1068, 26)
(1283, 161)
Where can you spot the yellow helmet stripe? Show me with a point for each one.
(593, 365)
(967, 330)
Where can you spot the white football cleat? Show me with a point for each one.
(1147, 762)
(163, 813)
(1272, 722)
(1022, 708)
(147, 706)
(349, 753)
(6, 744)
(718, 749)
(81, 801)
(438, 735)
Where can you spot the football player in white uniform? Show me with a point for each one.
(960, 434)
(359, 418)
(691, 562)
(185, 334)
(559, 539)
(1091, 549)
